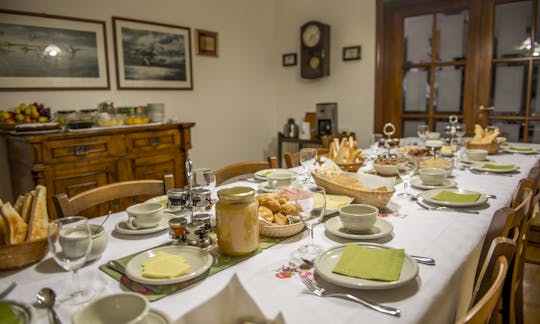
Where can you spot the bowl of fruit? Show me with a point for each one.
(28, 117)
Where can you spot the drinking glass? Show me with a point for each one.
(70, 240)
(421, 131)
(205, 178)
(310, 202)
(406, 167)
(308, 158)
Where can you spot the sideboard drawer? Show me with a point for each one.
(150, 141)
(82, 148)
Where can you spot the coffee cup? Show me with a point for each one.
(279, 179)
(144, 215)
(125, 307)
(477, 154)
(358, 217)
(432, 176)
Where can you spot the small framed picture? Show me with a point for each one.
(289, 59)
(207, 42)
(351, 53)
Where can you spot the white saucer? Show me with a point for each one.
(480, 167)
(380, 229)
(447, 183)
(121, 226)
(156, 316)
(524, 149)
(263, 186)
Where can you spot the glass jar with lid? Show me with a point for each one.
(237, 222)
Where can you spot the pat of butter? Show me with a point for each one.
(164, 266)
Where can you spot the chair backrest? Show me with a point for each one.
(292, 159)
(66, 206)
(242, 168)
(327, 139)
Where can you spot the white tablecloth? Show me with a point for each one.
(453, 239)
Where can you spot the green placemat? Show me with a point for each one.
(450, 196)
(367, 263)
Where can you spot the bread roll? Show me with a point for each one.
(265, 213)
(16, 227)
(39, 219)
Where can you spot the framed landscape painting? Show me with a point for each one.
(46, 52)
(151, 55)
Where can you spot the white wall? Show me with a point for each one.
(242, 98)
(350, 84)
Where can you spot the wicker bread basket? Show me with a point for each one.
(280, 230)
(492, 148)
(349, 167)
(20, 255)
(378, 199)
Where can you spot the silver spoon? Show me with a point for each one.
(46, 297)
(101, 225)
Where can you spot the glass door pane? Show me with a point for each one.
(418, 38)
(509, 88)
(512, 29)
(452, 32)
(449, 89)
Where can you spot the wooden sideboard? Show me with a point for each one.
(73, 162)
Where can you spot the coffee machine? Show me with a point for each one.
(327, 122)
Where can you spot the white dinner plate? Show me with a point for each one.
(466, 160)
(447, 183)
(427, 195)
(326, 261)
(121, 226)
(510, 149)
(264, 187)
(164, 200)
(479, 167)
(381, 228)
(198, 259)
(263, 174)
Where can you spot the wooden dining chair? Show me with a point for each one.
(327, 139)
(242, 168)
(534, 222)
(76, 205)
(487, 291)
(292, 159)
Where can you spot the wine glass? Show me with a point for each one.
(70, 240)
(406, 167)
(421, 131)
(205, 178)
(308, 158)
(310, 202)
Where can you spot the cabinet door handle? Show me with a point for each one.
(154, 141)
(81, 150)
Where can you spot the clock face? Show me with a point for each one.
(311, 35)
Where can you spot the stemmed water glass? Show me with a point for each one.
(70, 240)
(421, 131)
(406, 167)
(205, 178)
(308, 158)
(310, 202)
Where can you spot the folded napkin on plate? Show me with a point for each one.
(524, 149)
(7, 315)
(450, 196)
(232, 304)
(498, 166)
(370, 263)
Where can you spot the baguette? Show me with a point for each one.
(16, 227)
(27, 204)
(39, 219)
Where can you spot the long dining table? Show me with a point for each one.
(438, 294)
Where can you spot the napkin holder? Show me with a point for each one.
(231, 305)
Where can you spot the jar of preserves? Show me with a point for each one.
(237, 222)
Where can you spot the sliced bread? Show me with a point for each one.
(18, 204)
(27, 206)
(39, 219)
(16, 227)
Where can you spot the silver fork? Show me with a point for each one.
(321, 292)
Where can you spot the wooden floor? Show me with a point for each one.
(531, 287)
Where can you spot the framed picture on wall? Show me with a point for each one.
(151, 55)
(351, 53)
(207, 42)
(289, 59)
(46, 52)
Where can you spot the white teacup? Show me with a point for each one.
(433, 135)
(501, 140)
(477, 154)
(126, 307)
(279, 178)
(358, 217)
(432, 176)
(144, 215)
(99, 241)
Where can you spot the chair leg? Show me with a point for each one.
(518, 305)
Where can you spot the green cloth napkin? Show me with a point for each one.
(524, 149)
(370, 263)
(7, 315)
(450, 196)
(498, 166)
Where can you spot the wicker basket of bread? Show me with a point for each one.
(23, 230)
(484, 139)
(275, 211)
(345, 154)
(340, 183)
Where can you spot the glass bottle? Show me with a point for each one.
(237, 222)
